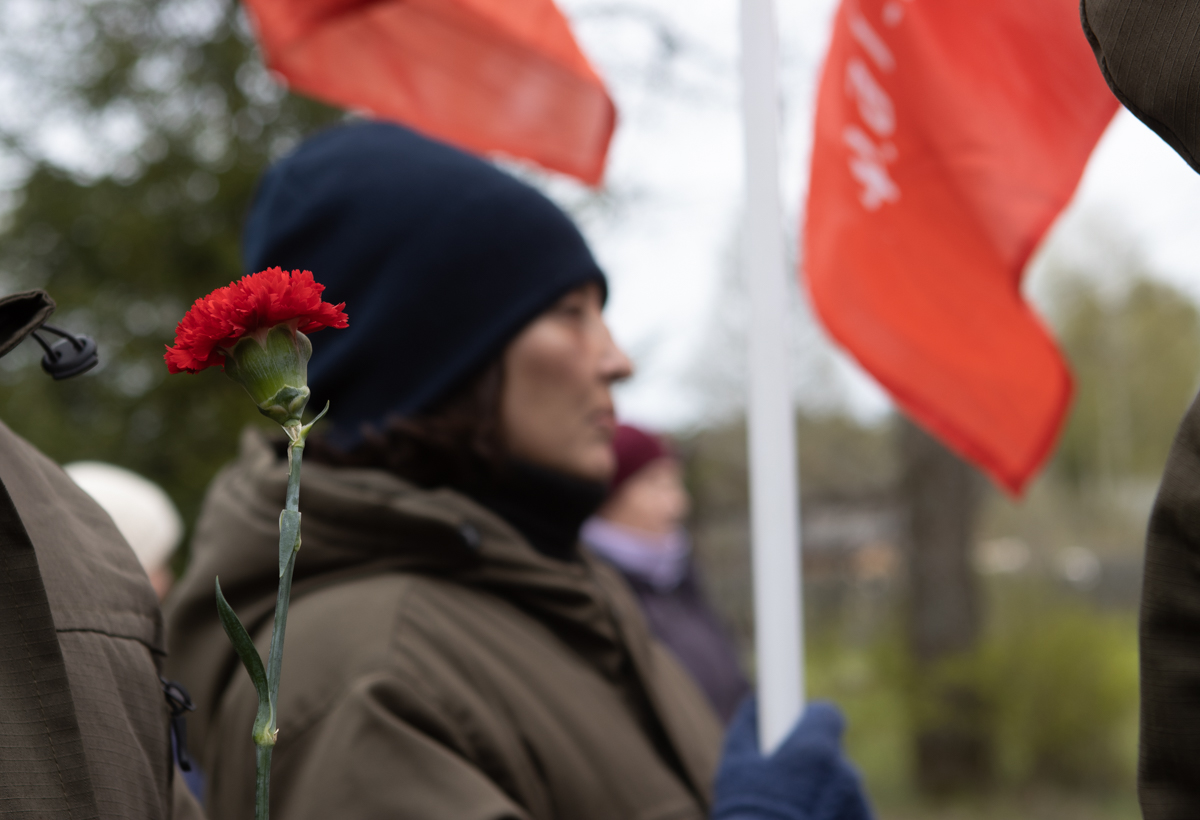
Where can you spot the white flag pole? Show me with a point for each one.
(774, 497)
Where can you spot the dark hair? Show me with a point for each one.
(458, 442)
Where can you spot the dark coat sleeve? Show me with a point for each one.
(1149, 51)
(1169, 754)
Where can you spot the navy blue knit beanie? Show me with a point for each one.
(440, 258)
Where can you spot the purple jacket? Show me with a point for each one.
(683, 620)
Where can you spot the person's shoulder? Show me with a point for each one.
(92, 578)
(362, 624)
(391, 625)
(362, 609)
(387, 609)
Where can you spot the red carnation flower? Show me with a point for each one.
(249, 307)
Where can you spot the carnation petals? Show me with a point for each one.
(253, 303)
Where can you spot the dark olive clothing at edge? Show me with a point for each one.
(1149, 52)
(1169, 754)
(436, 665)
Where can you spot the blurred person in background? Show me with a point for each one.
(451, 651)
(143, 512)
(640, 531)
(85, 718)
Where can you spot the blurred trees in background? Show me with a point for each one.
(1135, 354)
(1047, 663)
(179, 119)
(939, 496)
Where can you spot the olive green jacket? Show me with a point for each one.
(436, 666)
(84, 726)
(1148, 51)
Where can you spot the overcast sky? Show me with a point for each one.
(666, 232)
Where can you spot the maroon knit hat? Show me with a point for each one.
(635, 448)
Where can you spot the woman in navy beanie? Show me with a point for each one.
(452, 653)
(443, 258)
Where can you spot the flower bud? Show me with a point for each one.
(273, 367)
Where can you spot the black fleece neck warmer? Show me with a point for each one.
(440, 257)
(545, 506)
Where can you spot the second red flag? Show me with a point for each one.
(949, 135)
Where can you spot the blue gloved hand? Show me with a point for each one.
(807, 778)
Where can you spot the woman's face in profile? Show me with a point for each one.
(557, 408)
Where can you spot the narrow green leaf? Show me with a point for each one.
(289, 537)
(304, 430)
(245, 647)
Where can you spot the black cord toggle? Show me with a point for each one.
(180, 703)
(69, 356)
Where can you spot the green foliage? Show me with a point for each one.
(1062, 680)
(1057, 680)
(126, 250)
(869, 684)
(1135, 356)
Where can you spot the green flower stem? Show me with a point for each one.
(272, 366)
(289, 545)
(262, 784)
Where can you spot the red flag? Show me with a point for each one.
(486, 75)
(949, 135)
